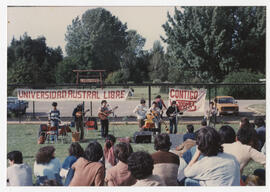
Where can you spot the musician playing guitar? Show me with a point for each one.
(154, 110)
(172, 112)
(103, 113)
(78, 115)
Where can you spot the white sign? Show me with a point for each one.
(72, 94)
(189, 100)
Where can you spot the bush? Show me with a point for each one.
(244, 91)
(116, 77)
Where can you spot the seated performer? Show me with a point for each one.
(140, 111)
(154, 111)
(78, 118)
(172, 112)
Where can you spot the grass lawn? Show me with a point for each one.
(24, 138)
(259, 107)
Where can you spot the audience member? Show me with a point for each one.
(242, 149)
(75, 151)
(46, 165)
(203, 123)
(51, 182)
(227, 134)
(119, 175)
(259, 122)
(109, 151)
(141, 165)
(165, 163)
(244, 121)
(18, 173)
(190, 133)
(88, 171)
(215, 168)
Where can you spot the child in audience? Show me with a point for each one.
(215, 168)
(75, 151)
(190, 133)
(109, 152)
(165, 163)
(141, 165)
(88, 171)
(18, 173)
(46, 165)
(119, 175)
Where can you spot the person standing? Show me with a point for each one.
(141, 111)
(78, 118)
(172, 112)
(54, 117)
(104, 112)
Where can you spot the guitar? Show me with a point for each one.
(80, 113)
(104, 115)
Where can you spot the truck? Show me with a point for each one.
(16, 106)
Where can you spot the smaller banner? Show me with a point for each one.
(72, 94)
(190, 100)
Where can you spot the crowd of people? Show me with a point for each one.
(207, 157)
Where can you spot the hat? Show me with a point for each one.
(54, 104)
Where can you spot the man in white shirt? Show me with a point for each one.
(141, 111)
(18, 173)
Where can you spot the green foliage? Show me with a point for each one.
(244, 92)
(97, 40)
(116, 77)
(30, 61)
(210, 47)
(158, 68)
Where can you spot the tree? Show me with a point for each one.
(30, 61)
(208, 46)
(97, 40)
(158, 68)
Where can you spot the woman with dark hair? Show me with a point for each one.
(165, 163)
(88, 171)
(46, 165)
(109, 151)
(75, 151)
(119, 175)
(242, 148)
(227, 134)
(215, 168)
(141, 165)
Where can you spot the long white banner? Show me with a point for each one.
(189, 100)
(72, 94)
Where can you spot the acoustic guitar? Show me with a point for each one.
(104, 115)
(80, 113)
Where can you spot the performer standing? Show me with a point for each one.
(78, 118)
(172, 112)
(211, 114)
(141, 111)
(54, 117)
(160, 103)
(155, 111)
(103, 114)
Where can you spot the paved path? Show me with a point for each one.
(125, 107)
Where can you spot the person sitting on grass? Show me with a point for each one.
(109, 151)
(190, 133)
(242, 147)
(46, 165)
(259, 122)
(215, 168)
(75, 151)
(119, 175)
(18, 173)
(88, 171)
(243, 121)
(141, 166)
(165, 163)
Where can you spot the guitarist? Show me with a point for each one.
(104, 109)
(78, 118)
(172, 112)
(154, 110)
